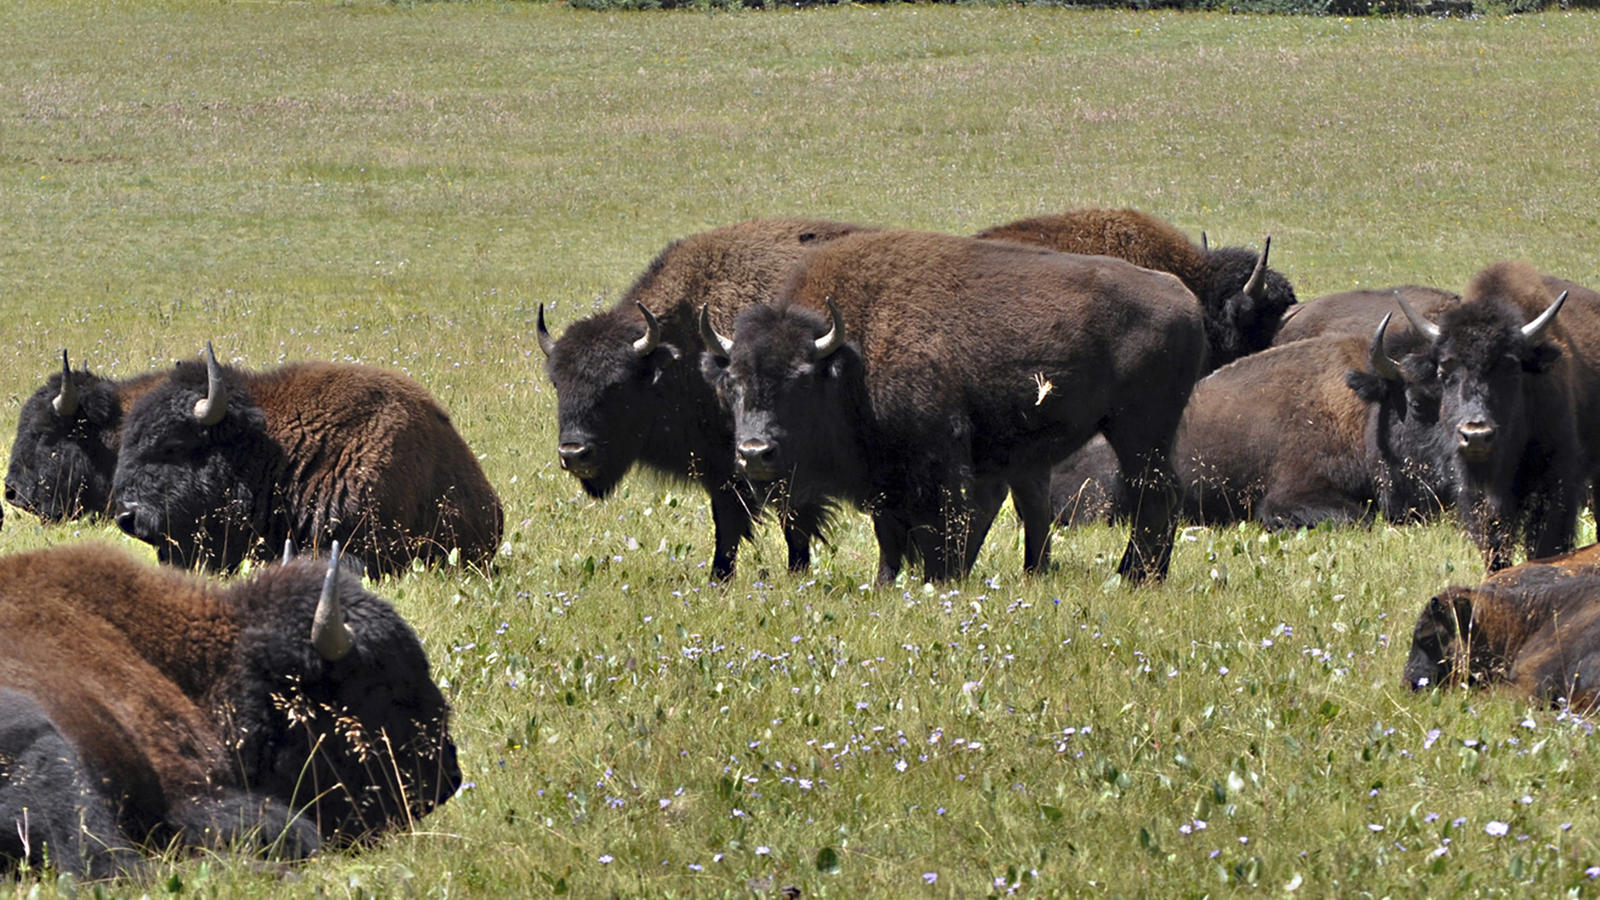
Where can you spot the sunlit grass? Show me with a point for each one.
(403, 186)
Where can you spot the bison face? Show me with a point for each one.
(65, 452)
(201, 494)
(1437, 643)
(360, 743)
(787, 377)
(606, 375)
(1405, 443)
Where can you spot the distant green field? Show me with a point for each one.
(402, 186)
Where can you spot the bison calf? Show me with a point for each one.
(143, 707)
(219, 465)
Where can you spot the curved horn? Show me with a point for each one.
(715, 342)
(329, 633)
(66, 401)
(652, 333)
(1386, 368)
(1423, 326)
(834, 339)
(1535, 329)
(1256, 287)
(288, 550)
(215, 405)
(546, 342)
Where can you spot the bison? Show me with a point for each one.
(68, 435)
(628, 387)
(219, 465)
(145, 708)
(1353, 314)
(1294, 436)
(1535, 627)
(949, 368)
(1243, 300)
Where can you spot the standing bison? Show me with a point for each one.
(144, 708)
(1535, 627)
(628, 386)
(68, 435)
(219, 465)
(949, 368)
(1243, 300)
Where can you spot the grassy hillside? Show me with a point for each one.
(403, 186)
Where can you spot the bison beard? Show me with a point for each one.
(145, 708)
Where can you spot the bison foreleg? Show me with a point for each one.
(1031, 496)
(237, 819)
(730, 517)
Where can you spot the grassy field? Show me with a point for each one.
(403, 186)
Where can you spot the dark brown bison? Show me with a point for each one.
(1535, 627)
(1356, 313)
(628, 384)
(145, 708)
(219, 465)
(68, 434)
(1243, 300)
(949, 368)
(1282, 438)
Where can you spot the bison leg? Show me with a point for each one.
(893, 543)
(986, 498)
(1031, 496)
(730, 518)
(1150, 494)
(242, 820)
(800, 525)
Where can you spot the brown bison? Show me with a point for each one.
(1355, 313)
(1242, 299)
(145, 708)
(628, 385)
(68, 435)
(1535, 627)
(949, 368)
(218, 465)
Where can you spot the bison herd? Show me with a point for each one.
(1092, 365)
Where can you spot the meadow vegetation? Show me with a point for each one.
(403, 186)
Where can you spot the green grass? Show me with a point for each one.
(404, 185)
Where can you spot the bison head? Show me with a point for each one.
(1441, 641)
(1243, 301)
(606, 369)
(66, 447)
(196, 471)
(331, 706)
(1404, 441)
(788, 377)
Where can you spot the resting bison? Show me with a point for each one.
(142, 708)
(219, 465)
(950, 368)
(1508, 394)
(1535, 627)
(68, 435)
(1294, 436)
(1243, 300)
(628, 385)
(1354, 313)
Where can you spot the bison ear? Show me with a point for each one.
(659, 358)
(1367, 386)
(1541, 357)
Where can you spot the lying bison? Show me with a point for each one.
(1353, 313)
(950, 368)
(628, 385)
(144, 708)
(1243, 300)
(68, 435)
(1535, 627)
(219, 465)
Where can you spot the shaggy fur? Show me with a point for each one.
(620, 410)
(61, 466)
(971, 365)
(1535, 627)
(142, 707)
(1236, 324)
(312, 452)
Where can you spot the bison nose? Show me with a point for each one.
(1474, 439)
(127, 517)
(578, 458)
(757, 458)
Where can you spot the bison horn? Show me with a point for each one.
(652, 333)
(715, 342)
(288, 550)
(834, 339)
(546, 342)
(1204, 244)
(329, 633)
(1423, 326)
(1386, 368)
(1537, 327)
(66, 401)
(1256, 287)
(214, 406)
